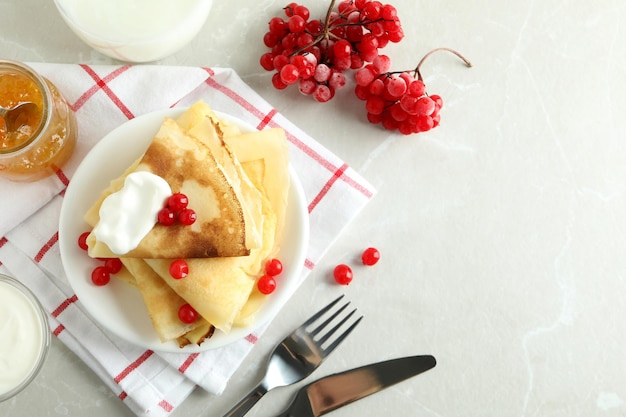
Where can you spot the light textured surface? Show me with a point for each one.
(501, 232)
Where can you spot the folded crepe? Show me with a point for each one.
(223, 227)
(221, 289)
(268, 151)
(162, 304)
(202, 123)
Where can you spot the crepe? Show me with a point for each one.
(201, 122)
(268, 150)
(161, 302)
(188, 166)
(223, 290)
(219, 288)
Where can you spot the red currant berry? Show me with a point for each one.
(343, 274)
(308, 86)
(290, 8)
(424, 123)
(280, 61)
(270, 39)
(273, 267)
(266, 284)
(342, 49)
(438, 102)
(82, 241)
(267, 61)
(187, 217)
(364, 76)
(389, 12)
(396, 87)
(277, 25)
(166, 216)
(382, 63)
(177, 201)
(337, 80)
(277, 82)
(425, 106)
(323, 93)
(417, 88)
(187, 314)
(296, 24)
(113, 265)
(315, 27)
(100, 276)
(370, 256)
(302, 11)
(289, 74)
(375, 105)
(179, 269)
(322, 73)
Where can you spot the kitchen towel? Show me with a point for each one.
(104, 97)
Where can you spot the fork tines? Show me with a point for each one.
(325, 337)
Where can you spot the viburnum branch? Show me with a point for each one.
(417, 72)
(329, 13)
(326, 33)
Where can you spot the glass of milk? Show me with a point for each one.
(24, 337)
(135, 30)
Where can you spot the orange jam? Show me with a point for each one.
(43, 137)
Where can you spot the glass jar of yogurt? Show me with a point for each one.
(137, 30)
(24, 337)
(45, 134)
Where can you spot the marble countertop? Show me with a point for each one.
(502, 232)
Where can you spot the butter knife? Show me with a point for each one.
(336, 390)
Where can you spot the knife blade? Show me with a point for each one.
(336, 390)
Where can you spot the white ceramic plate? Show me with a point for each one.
(119, 307)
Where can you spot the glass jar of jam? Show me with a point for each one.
(44, 135)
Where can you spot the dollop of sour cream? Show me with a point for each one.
(129, 214)
(20, 337)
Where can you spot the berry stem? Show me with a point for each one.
(328, 15)
(419, 65)
(326, 34)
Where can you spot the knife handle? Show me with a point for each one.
(246, 403)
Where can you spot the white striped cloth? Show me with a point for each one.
(104, 97)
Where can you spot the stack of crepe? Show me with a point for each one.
(237, 183)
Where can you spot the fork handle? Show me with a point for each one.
(246, 403)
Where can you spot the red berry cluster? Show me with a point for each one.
(267, 283)
(315, 53)
(101, 275)
(176, 209)
(397, 100)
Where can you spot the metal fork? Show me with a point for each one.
(298, 355)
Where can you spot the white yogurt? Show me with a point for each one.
(135, 30)
(127, 215)
(24, 337)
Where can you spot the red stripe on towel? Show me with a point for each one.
(49, 244)
(166, 406)
(336, 175)
(101, 84)
(134, 365)
(65, 304)
(187, 362)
